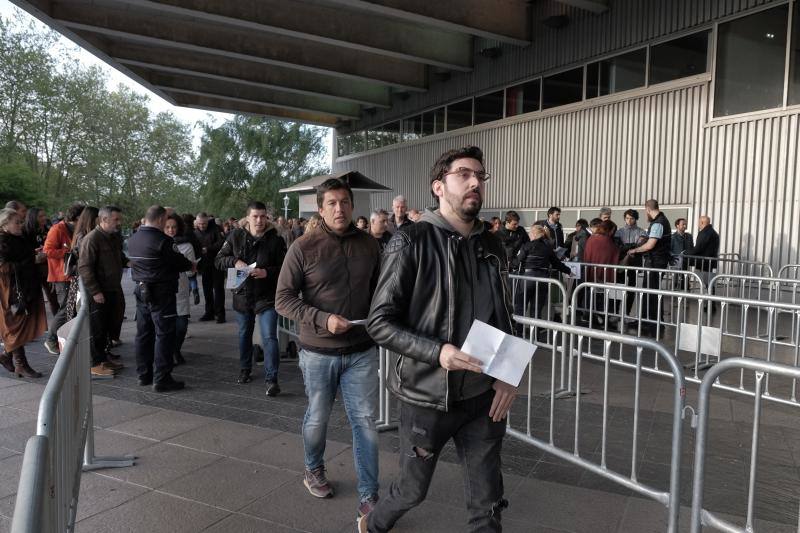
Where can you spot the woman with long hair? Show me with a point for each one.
(86, 223)
(176, 229)
(36, 233)
(22, 316)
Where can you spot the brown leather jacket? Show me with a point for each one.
(336, 275)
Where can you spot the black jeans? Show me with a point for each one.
(60, 318)
(652, 281)
(423, 434)
(101, 319)
(214, 292)
(155, 333)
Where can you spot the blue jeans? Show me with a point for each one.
(268, 322)
(181, 328)
(357, 375)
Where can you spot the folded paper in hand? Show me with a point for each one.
(237, 276)
(503, 356)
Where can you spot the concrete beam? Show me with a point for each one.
(232, 44)
(329, 25)
(595, 6)
(225, 105)
(250, 74)
(508, 21)
(203, 86)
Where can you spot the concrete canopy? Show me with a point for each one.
(313, 61)
(356, 180)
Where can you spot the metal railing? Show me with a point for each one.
(756, 288)
(385, 421)
(673, 279)
(580, 341)
(544, 297)
(700, 516)
(708, 327)
(47, 496)
(708, 266)
(789, 272)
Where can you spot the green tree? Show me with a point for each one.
(252, 158)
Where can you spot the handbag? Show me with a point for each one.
(71, 263)
(17, 301)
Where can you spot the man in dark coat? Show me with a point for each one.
(210, 238)
(260, 244)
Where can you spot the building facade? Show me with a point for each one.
(693, 102)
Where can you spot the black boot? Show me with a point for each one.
(179, 360)
(21, 367)
(6, 362)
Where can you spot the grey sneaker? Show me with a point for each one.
(52, 347)
(317, 484)
(361, 524)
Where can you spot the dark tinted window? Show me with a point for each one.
(383, 135)
(616, 74)
(751, 54)
(412, 128)
(522, 98)
(459, 115)
(489, 107)
(794, 73)
(562, 88)
(680, 58)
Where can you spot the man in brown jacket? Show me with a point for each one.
(336, 268)
(100, 264)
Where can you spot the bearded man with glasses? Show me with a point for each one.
(439, 276)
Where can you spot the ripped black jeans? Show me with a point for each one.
(423, 434)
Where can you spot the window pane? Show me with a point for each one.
(342, 145)
(459, 115)
(438, 122)
(523, 98)
(794, 73)
(357, 142)
(616, 74)
(383, 135)
(593, 80)
(562, 88)
(680, 58)
(412, 128)
(489, 107)
(751, 54)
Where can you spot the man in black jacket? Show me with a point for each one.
(438, 277)
(513, 236)
(210, 238)
(261, 244)
(553, 223)
(155, 265)
(707, 245)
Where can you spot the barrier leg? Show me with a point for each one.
(384, 422)
(92, 462)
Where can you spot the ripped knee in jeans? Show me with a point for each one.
(497, 508)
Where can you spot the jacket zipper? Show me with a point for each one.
(451, 304)
(503, 286)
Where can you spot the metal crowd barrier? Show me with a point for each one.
(385, 421)
(544, 297)
(756, 288)
(732, 327)
(700, 516)
(710, 266)
(47, 496)
(287, 337)
(673, 279)
(789, 271)
(731, 255)
(580, 342)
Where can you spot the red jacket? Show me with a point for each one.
(600, 250)
(56, 246)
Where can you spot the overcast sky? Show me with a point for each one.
(156, 103)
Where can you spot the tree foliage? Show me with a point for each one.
(253, 158)
(65, 136)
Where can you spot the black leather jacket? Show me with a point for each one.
(413, 311)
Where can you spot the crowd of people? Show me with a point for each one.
(409, 281)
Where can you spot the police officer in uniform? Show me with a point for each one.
(155, 265)
(656, 251)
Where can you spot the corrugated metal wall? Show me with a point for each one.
(622, 153)
(627, 24)
(741, 173)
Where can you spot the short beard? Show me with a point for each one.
(467, 214)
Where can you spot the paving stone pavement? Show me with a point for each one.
(223, 457)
